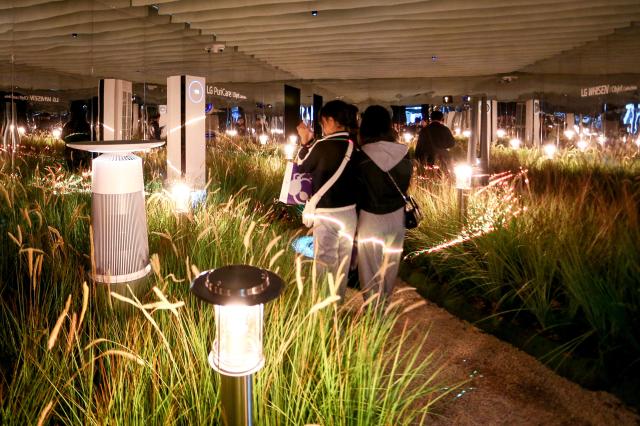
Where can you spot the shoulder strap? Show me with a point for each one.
(328, 184)
(404, 197)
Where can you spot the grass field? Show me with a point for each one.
(550, 260)
(70, 354)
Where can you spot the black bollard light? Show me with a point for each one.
(464, 173)
(238, 293)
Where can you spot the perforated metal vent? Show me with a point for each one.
(120, 237)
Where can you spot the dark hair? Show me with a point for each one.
(437, 116)
(376, 125)
(340, 111)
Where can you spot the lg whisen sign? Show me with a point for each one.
(34, 98)
(606, 89)
(221, 91)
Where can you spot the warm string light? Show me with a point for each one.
(515, 143)
(502, 204)
(501, 133)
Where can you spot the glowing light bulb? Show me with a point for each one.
(181, 195)
(237, 348)
(550, 150)
(582, 145)
(21, 130)
(457, 131)
(56, 133)
(463, 173)
(515, 143)
(289, 151)
(407, 137)
(232, 132)
(263, 139)
(501, 133)
(293, 139)
(466, 133)
(569, 134)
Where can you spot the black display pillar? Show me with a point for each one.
(291, 110)
(424, 109)
(399, 114)
(317, 105)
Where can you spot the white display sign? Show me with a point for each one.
(221, 91)
(606, 89)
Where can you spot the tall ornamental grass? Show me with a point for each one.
(72, 352)
(554, 249)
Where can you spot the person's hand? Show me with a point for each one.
(305, 133)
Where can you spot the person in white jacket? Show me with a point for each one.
(383, 169)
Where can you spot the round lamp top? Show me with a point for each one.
(237, 284)
(115, 146)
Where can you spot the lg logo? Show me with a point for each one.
(196, 92)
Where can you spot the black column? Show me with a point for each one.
(317, 105)
(291, 110)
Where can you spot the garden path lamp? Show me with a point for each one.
(290, 148)
(464, 174)
(238, 293)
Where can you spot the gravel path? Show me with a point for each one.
(507, 386)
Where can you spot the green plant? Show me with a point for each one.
(76, 353)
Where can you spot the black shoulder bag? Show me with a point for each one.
(412, 214)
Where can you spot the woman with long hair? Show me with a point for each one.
(383, 170)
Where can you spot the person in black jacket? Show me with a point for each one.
(334, 220)
(383, 170)
(434, 142)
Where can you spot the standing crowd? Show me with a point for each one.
(360, 177)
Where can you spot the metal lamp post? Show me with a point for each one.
(464, 173)
(238, 293)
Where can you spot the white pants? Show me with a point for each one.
(380, 238)
(333, 233)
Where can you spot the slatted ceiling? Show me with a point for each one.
(383, 48)
(613, 54)
(125, 28)
(377, 14)
(51, 10)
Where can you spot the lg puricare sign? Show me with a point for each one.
(224, 93)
